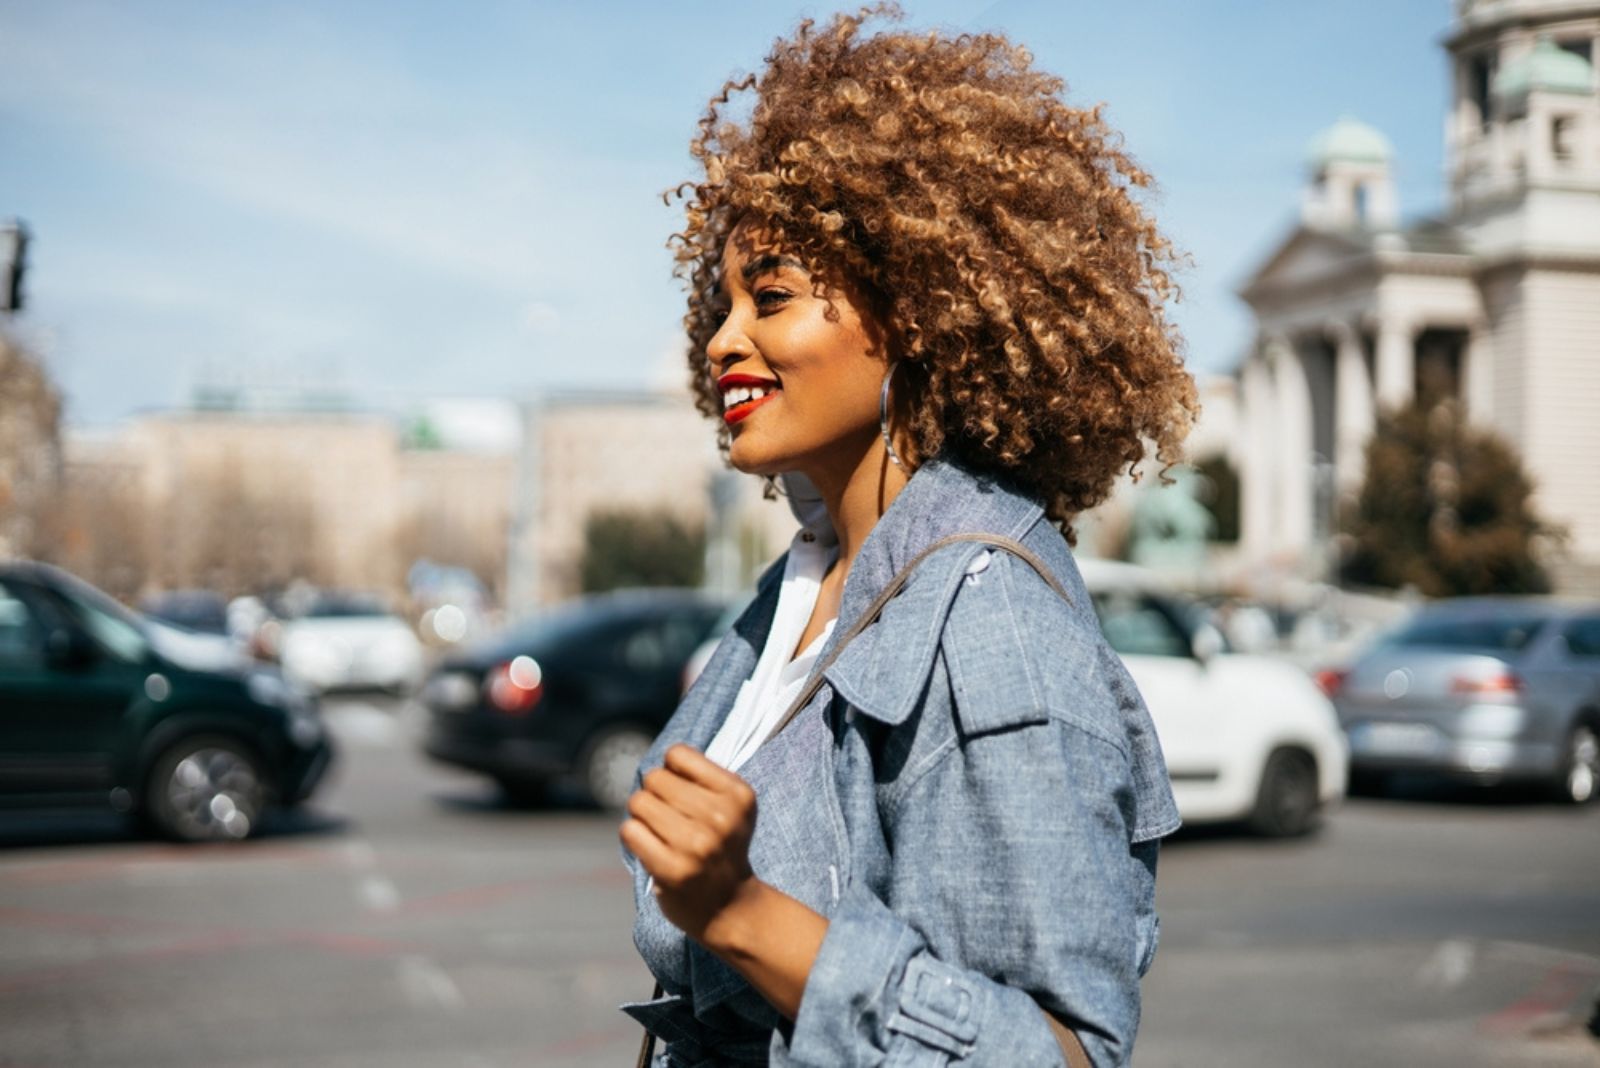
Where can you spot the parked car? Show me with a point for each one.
(1246, 737)
(197, 610)
(101, 706)
(348, 641)
(1489, 690)
(578, 693)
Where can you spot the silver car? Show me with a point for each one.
(1492, 690)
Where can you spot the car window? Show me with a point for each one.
(1508, 633)
(1135, 625)
(1583, 637)
(21, 637)
(109, 626)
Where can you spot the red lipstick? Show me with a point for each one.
(736, 412)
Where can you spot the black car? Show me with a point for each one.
(578, 693)
(101, 706)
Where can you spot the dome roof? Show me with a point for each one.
(1549, 67)
(1349, 141)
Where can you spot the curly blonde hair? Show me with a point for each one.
(992, 225)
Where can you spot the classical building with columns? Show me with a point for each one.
(1496, 303)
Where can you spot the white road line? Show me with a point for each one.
(1449, 966)
(362, 725)
(379, 894)
(426, 985)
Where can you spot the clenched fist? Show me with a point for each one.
(690, 825)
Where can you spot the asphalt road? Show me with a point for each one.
(409, 918)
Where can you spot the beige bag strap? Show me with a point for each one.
(1071, 1047)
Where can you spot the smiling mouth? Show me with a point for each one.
(742, 395)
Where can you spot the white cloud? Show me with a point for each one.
(539, 317)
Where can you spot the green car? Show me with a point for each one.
(101, 706)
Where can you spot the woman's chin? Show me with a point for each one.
(750, 458)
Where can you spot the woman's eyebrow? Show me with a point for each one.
(769, 262)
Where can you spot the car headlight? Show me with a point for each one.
(270, 688)
(305, 729)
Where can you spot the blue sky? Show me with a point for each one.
(404, 200)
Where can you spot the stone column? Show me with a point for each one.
(1258, 489)
(1477, 373)
(1292, 395)
(1353, 408)
(1396, 362)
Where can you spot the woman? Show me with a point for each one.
(923, 298)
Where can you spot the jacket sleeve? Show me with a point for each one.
(1013, 885)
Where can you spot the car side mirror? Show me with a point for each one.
(1207, 643)
(67, 649)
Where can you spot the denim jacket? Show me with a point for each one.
(974, 800)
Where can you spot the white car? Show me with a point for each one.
(1246, 737)
(350, 642)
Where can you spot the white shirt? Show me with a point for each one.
(777, 679)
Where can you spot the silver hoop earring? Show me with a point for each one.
(883, 417)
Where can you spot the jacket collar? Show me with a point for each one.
(882, 673)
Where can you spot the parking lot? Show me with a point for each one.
(409, 917)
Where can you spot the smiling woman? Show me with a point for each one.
(923, 297)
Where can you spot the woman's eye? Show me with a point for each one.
(771, 297)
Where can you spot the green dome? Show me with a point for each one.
(1349, 141)
(1549, 67)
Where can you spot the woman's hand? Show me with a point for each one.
(690, 826)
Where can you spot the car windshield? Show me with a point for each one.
(345, 607)
(1507, 633)
(113, 626)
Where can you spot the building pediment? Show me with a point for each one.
(1305, 258)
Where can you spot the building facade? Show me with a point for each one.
(1495, 304)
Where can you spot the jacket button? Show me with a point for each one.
(850, 715)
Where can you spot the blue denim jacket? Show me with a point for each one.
(974, 800)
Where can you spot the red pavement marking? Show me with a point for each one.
(102, 867)
(1553, 995)
(198, 944)
(589, 1043)
(471, 897)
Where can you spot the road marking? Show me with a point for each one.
(379, 894)
(427, 984)
(362, 725)
(1449, 966)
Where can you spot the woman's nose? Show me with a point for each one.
(728, 344)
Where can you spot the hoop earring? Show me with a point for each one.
(883, 417)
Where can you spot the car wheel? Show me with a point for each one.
(1286, 803)
(205, 789)
(609, 764)
(523, 792)
(1369, 783)
(1579, 779)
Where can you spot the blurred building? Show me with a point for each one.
(1496, 304)
(250, 495)
(593, 451)
(30, 448)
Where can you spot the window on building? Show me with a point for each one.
(1480, 74)
(1561, 138)
(1583, 47)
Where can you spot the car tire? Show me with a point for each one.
(1369, 783)
(1287, 804)
(206, 788)
(1578, 780)
(609, 762)
(523, 792)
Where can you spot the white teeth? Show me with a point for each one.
(741, 394)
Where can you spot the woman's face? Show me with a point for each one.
(799, 362)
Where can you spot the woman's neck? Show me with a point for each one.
(856, 494)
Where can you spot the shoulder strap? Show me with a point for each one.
(875, 609)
